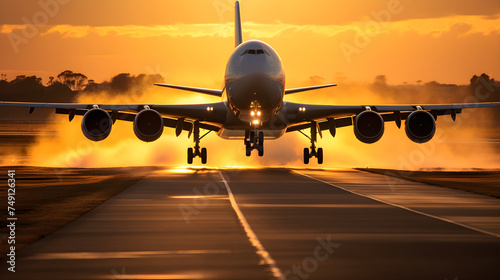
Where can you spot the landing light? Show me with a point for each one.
(258, 113)
(302, 109)
(256, 122)
(210, 109)
(252, 113)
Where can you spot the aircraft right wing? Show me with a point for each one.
(208, 116)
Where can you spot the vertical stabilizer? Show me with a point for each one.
(237, 30)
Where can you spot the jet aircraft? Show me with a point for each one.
(253, 109)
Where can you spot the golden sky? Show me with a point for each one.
(189, 41)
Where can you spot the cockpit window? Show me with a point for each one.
(255, 52)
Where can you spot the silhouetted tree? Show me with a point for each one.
(484, 88)
(91, 86)
(75, 81)
(51, 81)
(380, 84)
(380, 80)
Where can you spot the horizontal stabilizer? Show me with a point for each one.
(214, 92)
(295, 90)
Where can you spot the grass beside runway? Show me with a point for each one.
(480, 182)
(48, 198)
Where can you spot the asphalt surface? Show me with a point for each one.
(271, 224)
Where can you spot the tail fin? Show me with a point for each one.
(237, 32)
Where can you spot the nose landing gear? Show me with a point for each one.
(254, 140)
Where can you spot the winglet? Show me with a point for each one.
(237, 31)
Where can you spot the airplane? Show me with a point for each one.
(253, 109)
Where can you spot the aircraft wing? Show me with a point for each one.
(213, 92)
(295, 90)
(299, 116)
(211, 115)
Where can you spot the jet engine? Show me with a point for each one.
(148, 125)
(420, 126)
(96, 124)
(368, 126)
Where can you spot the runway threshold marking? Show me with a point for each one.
(400, 206)
(252, 237)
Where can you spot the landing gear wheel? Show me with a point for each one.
(190, 155)
(260, 148)
(248, 148)
(252, 137)
(261, 138)
(204, 155)
(320, 155)
(306, 155)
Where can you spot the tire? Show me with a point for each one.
(204, 155)
(261, 150)
(252, 137)
(248, 151)
(306, 155)
(261, 138)
(320, 155)
(190, 155)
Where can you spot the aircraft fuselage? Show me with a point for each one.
(254, 90)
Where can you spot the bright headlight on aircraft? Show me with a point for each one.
(256, 122)
(252, 113)
(258, 113)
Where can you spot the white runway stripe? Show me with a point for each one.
(254, 240)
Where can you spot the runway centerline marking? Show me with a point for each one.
(252, 237)
(402, 207)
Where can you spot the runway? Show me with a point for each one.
(272, 224)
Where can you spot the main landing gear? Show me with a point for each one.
(312, 151)
(254, 140)
(196, 151)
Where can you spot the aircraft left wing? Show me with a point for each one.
(299, 116)
(213, 92)
(295, 90)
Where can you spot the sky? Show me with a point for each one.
(189, 41)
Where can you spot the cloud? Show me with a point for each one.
(461, 25)
(458, 25)
(9, 28)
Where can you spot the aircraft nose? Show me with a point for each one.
(255, 88)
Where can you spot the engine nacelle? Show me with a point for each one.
(96, 124)
(420, 126)
(148, 125)
(368, 126)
